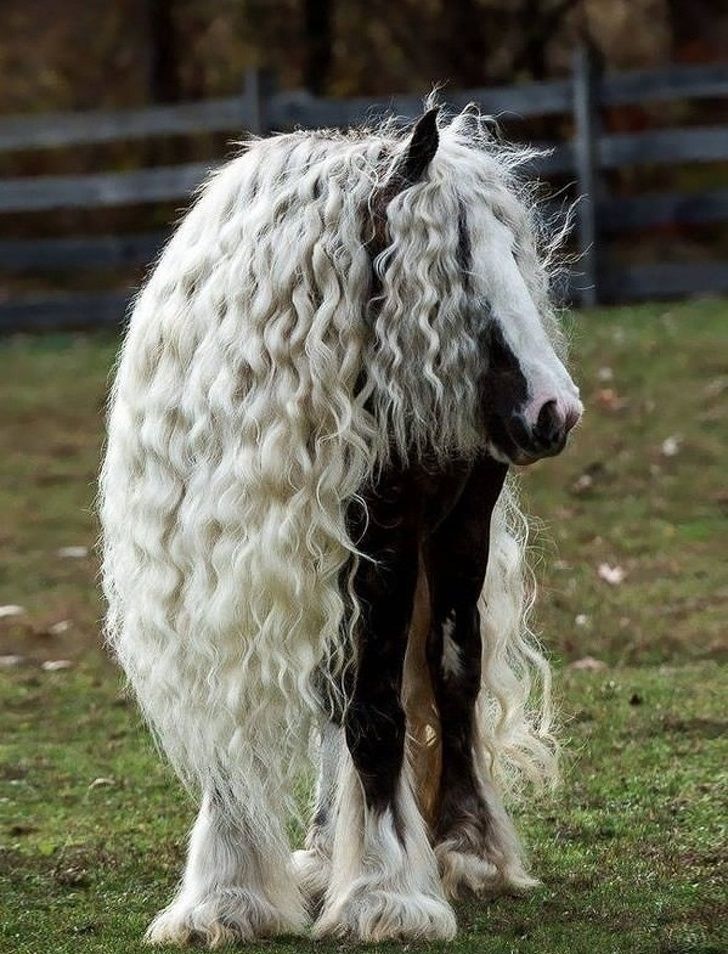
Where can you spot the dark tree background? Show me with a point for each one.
(85, 53)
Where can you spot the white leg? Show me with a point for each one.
(312, 865)
(384, 881)
(236, 886)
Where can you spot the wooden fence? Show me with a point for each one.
(261, 108)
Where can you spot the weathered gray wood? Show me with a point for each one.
(101, 189)
(62, 312)
(46, 131)
(667, 208)
(585, 146)
(675, 82)
(523, 100)
(664, 280)
(95, 251)
(287, 109)
(664, 146)
(558, 159)
(254, 101)
(299, 108)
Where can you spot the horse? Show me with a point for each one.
(312, 545)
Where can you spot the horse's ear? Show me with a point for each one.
(420, 150)
(409, 169)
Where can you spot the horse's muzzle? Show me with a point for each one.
(547, 437)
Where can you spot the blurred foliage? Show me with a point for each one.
(89, 53)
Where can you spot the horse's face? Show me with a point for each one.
(530, 403)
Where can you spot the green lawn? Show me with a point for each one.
(630, 850)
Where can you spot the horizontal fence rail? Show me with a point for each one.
(663, 209)
(545, 98)
(101, 189)
(76, 129)
(58, 130)
(55, 312)
(97, 251)
(260, 108)
(664, 280)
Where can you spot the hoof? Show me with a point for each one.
(312, 871)
(227, 916)
(463, 873)
(374, 914)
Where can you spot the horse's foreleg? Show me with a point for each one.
(312, 864)
(237, 884)
(384, 879)
(475, 842)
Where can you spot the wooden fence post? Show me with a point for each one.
(259, 86)
(586, 71)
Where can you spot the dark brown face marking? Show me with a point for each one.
(504, 392)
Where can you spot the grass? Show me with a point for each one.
(91, 823)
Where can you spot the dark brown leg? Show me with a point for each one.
(385, 586)
(475, 841)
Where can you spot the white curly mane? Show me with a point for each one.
(264, 379)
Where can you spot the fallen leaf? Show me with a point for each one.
(610, 400)
(11, 609)
(11, 660)
(581, 619)
(716, 387)
(582, 483)
(71, 876)
(588, 664)
(54, 665)
(671, 446)
(72, 553)
(614, 575)
(59, 628)
(593, 473)
(102, 783)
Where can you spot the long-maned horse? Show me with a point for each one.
(310, 532)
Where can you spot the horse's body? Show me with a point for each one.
(339, 354)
